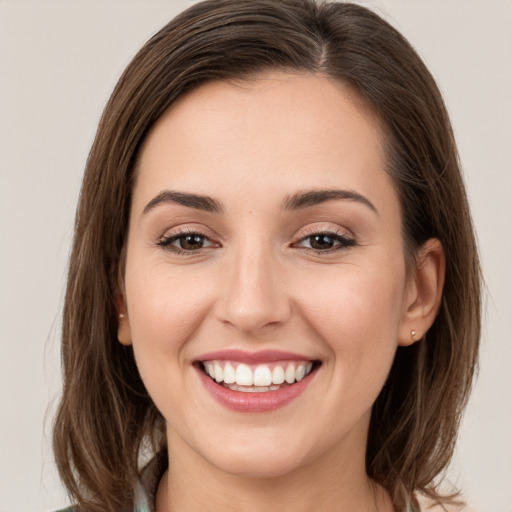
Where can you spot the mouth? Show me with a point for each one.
(257, 383)
(260, 378)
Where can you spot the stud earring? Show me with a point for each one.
(122, 316)
(413, 334)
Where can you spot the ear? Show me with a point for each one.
(424, 293)
(124, 333)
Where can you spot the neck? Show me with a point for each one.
(329, 484)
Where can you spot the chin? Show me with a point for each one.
(258, 454)
(259, 465)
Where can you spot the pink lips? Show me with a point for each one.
(240, 401)
(261, 357)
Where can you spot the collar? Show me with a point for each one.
(145, 487)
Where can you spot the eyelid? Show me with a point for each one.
(187, 228)
(320, 228)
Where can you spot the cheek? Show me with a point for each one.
(163, 304)
(363, 302)
(165, 310)
(357, 315)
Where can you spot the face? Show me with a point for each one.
(265, 249)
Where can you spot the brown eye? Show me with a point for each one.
(191, 242)
(186, 242)
(325, 242)
(321, 242)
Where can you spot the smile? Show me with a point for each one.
(255, 382)
(259, 378)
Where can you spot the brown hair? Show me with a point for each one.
(105, 416)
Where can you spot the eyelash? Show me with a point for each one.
(341, 240)
(167, 241)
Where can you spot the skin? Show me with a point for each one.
(258, 284)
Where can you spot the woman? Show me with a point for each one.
(274, 293)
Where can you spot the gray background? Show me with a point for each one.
(59, 60)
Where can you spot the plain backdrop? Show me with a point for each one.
(59, 61)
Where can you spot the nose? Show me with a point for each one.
(253, 297)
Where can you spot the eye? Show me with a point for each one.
(191, 242)
(325, 242)
(185, 242)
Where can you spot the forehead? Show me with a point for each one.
(279, 131)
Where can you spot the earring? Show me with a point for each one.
(413, 335)
(122, 316)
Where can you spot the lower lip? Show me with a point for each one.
(265, 401)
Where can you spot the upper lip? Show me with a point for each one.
(259, 357)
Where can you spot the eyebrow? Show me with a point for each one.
(308, 198)
(196, 201)
(297, 201)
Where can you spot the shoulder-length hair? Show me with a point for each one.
(105, 417)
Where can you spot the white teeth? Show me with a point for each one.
(218, 373)
(289, 375)
(262, 376)
(240, 376)
(211, 370)
(243, 375)
(278, 375)
(229, 374)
